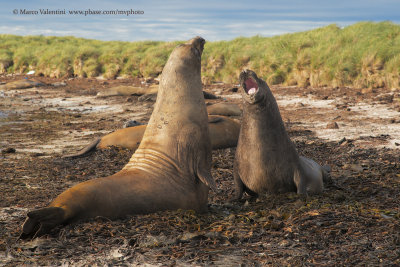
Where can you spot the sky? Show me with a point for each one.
(169, 20)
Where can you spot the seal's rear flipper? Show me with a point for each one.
(85, 150)
(41, 221)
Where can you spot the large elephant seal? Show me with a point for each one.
(224, 109)
(224, 133)
(171, 169)
(266, 160)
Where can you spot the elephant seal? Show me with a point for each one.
(126, 90)
(126, 138)
(171, 169)
(224, 109)
(20, 84)
(266, 160)
(224, 133)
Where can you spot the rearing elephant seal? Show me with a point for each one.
(169, 170)
(266, 160)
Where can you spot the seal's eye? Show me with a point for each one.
(251, 86)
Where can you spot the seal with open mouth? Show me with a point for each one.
(266, 160)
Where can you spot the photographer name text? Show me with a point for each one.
(86, 12)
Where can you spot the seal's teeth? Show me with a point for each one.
(252, 91)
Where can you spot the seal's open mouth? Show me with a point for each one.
(250, 86)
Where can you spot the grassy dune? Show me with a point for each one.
(365, 54)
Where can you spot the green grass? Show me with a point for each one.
(365, 54)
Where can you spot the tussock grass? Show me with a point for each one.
(365, 54)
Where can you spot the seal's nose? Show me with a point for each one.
(199, 43)
(243, 75)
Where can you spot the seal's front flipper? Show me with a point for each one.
(41, 221)
(206, 178)
(203, 172)
(239, 186)
(196, 154)
(249, 191)
(214, 119)
(300, 182)
(326, 174)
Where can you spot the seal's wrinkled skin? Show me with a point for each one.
(266, 160)
(170, 169)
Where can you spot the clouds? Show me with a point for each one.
(179, 20)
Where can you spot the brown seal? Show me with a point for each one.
(127, 90)
(224, 109)
(171, 169)
(126, 138)
(20, 84)
(224, 133)
(266, 160)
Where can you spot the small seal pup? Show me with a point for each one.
(266, 160)
(170, 170)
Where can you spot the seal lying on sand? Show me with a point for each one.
(171, 169)
(126, 90)
(20, 84)
(224, 109)
(266, 160)
(224, 133)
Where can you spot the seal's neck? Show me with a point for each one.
(152, 161)
(265, 112)
(179, 108)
